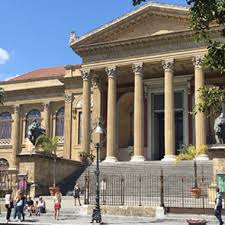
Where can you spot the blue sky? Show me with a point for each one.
(35, 33)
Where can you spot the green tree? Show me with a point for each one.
(212, 100)
(2, 95)
(49, 145)
(205, 14)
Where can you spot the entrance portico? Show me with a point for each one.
(168, 79)
(139, 57)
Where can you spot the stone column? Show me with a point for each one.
(169, 111)
(138, 113)
(86, 110)
(111, 115)
(46, 118)
(15, 136)
(67, 126)
(200, 129)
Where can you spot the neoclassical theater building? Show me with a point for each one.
(140, 73)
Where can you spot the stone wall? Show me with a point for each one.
(40, 168)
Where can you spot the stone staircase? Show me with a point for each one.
(181, 168)
(125, 180)
(66, 185)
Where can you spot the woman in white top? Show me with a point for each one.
(8, 205)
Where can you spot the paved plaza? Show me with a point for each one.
(114, 220)
(70, 216)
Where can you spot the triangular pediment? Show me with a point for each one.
(151, 26)
(149, 20)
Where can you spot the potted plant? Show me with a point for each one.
(189, 152)
(130, 150)
(49, 146)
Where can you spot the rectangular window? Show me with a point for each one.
(79, 128)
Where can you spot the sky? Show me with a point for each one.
(35, 34)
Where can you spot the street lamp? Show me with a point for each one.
(96, 215)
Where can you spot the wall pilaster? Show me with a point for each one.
(97, 106)
(15, 136)
(67, 126)
(46, 118)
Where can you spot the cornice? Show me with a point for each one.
(142, 40)
(133, 17)
(30, 80)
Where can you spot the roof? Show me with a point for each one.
(41, 73)
(151, 5)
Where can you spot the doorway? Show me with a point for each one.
(159, 124)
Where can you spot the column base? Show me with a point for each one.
(169, 158)
(202, 157)
(137, 158)
(13, 168)
(110, 159)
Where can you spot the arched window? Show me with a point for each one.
(5, 125)
(59, 128)
(31, 116)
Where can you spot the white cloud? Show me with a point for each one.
(4, 56)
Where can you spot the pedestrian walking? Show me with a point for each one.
(23, 198)
(8, 205)
(218, 206)
(18, 206)
(76, 194)
(57, 203)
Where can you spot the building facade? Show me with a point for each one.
(140, 74)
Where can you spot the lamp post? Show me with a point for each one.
(96, 215)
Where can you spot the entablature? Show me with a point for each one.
(176, 41)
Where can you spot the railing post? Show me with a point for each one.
(161, 189)
(203, 185)
(86, 190)
(122, 190)
(182, 193)
(139, 190)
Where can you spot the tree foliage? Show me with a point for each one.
(205, 14)
(49, 145)
(212, 99)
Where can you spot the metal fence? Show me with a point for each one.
(7, 181)
(150, 190)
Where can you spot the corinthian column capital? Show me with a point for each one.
(68, 97)
(168, 64)
(86, 73)
(46, 106)
(111, 71)
(197, 60)
(16, 108)
(138, 67)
